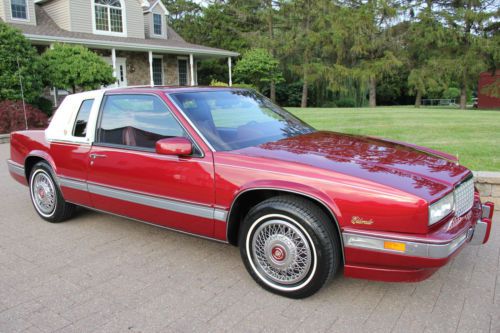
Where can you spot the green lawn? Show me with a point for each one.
(473, 134)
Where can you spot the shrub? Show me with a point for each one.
(12, 117)
(45, 105)
(451, 93)
(258, 67)
(345, 102)
(215, 83)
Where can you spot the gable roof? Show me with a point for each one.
(153, 3)
(47, 31)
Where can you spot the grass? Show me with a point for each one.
(472, 134)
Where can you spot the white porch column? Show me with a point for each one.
(113, 63)
(54, 89)
(191, 67)
(229, 65)
(151, 68)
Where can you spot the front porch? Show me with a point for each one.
(135, 68)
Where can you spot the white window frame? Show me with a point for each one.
(187, 71)
(27, 19)
(110, 33)
(153, 24)
(162, 68)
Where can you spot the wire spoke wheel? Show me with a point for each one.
(281, 252)
(43, 193)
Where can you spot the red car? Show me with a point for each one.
(229, 165)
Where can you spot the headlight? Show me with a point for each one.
(441, 208)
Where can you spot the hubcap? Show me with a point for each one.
(281, 252)
(44, 194)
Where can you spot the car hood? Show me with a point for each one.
(407, 168)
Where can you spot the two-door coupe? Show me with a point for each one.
(229, 165)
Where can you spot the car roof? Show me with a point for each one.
(165, 89)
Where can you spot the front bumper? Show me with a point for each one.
(393, 257)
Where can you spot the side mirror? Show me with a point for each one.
(178, 146)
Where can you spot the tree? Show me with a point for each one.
(466, 22)
(259, 68)
(19, 61)
(71, 66)
(425, 40)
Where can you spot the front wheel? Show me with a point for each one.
(289, 246)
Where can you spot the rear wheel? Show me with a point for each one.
(46, 195)
(289, 246)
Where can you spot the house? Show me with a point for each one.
(133, 36)
(488, 90)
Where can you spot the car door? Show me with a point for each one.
(127, 177)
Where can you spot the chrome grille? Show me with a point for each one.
(464, 197)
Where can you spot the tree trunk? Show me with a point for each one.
(418, 99)
(463, 97)
(373, 92)
(303, 102)
(273, 92)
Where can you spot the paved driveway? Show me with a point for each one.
(107, 274)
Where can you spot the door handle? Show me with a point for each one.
(94, 156)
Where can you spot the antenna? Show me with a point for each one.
(22, 93)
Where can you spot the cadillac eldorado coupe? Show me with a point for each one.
(229, 165)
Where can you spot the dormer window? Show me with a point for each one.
(157, 26)
(19, 9)
(108, 16)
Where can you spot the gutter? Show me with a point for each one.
(130, 46)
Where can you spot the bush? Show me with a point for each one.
(12, 117)
(451, 93)
(345, 102)
(45, 105)
(215, 83)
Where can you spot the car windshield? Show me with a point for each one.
(236, 119)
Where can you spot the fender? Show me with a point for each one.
(296, 188)
(44, 155)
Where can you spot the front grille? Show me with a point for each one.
(464, 197)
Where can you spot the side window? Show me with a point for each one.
(136, 121)
(80, 128)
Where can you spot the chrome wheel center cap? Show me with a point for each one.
(280, 251)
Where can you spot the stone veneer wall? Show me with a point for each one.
(138, 68)
(488, 184)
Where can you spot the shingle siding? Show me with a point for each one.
(147, 20)
(6, 15)
(81, 15)
(135, 19)
(59, 12)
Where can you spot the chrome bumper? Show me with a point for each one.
(414, 249)
(483, 226)
(15, 168)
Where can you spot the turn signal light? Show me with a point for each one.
(395, 246)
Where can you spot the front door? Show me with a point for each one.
(127, 177)
(121, 70)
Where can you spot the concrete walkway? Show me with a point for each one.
(100, 273)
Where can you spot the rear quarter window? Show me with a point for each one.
(82, 118)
